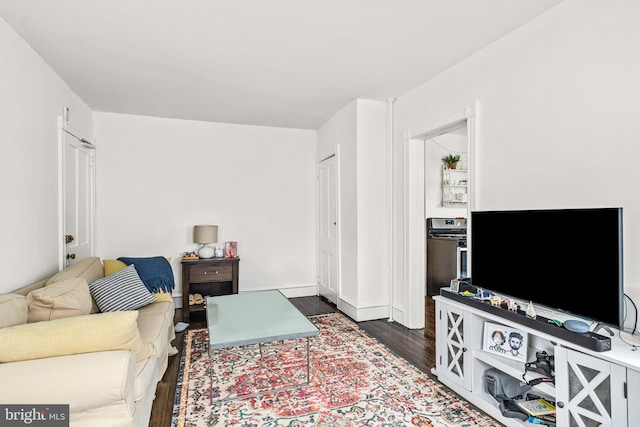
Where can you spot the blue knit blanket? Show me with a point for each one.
(155, 272)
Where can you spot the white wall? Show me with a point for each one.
(33, 97)
(156, 178)
(556, 122)
(259, 183)
(372, 206)
(357, 132)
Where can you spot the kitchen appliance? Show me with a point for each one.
(446, 252)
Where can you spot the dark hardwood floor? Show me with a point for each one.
(417, 346)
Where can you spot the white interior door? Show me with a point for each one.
(78, 196)
(327, 229)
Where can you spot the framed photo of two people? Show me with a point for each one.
(505, 341)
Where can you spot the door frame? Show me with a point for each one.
(414, 204)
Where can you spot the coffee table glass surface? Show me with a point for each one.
(254, 318)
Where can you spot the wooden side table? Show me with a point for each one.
(207, 277)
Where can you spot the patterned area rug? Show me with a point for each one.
(355, 381)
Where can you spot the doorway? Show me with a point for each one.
(445, 197)
(414, 206)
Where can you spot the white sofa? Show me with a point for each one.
(105, 366)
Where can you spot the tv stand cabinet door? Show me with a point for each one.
(633, 396)
(590, 390)
(453, 358)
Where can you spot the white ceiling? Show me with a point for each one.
(284, 63)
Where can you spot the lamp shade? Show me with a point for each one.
(205, 234)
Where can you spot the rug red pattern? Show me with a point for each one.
(355, 381)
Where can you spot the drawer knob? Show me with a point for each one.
(215, 272)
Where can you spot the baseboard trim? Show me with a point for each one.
(361, 314)
(300, 291)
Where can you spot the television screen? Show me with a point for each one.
(565, 259)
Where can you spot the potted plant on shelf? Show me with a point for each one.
(451, 160)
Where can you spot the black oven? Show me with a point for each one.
(446, 252)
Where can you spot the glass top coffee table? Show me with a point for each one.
(246, 331)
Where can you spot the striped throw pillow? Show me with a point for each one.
(121, 291)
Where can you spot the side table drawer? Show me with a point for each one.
(211, 273)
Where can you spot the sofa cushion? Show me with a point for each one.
(74, 335)
(121, 291)
(100, 384)
(152, 329)
(89, 268)
(13, 310)
(151, 312)
(163, 297)
(66, 298)
(113, 266)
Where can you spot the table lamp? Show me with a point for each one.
(205, 234)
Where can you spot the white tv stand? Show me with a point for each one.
(599, 387)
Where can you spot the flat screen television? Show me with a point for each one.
(565, 259)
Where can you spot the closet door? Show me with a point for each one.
(327, 184)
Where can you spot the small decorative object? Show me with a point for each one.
(219, 251)
(482, 295)
(205, 234)
(190, 255)
(454, 285)
(505, 341)
(451, 160)
(512, 305)
(531, 312)
(496, 301)
(230, 249)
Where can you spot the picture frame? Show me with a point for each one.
(230, 249)
(505, 341)
(454, 285)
